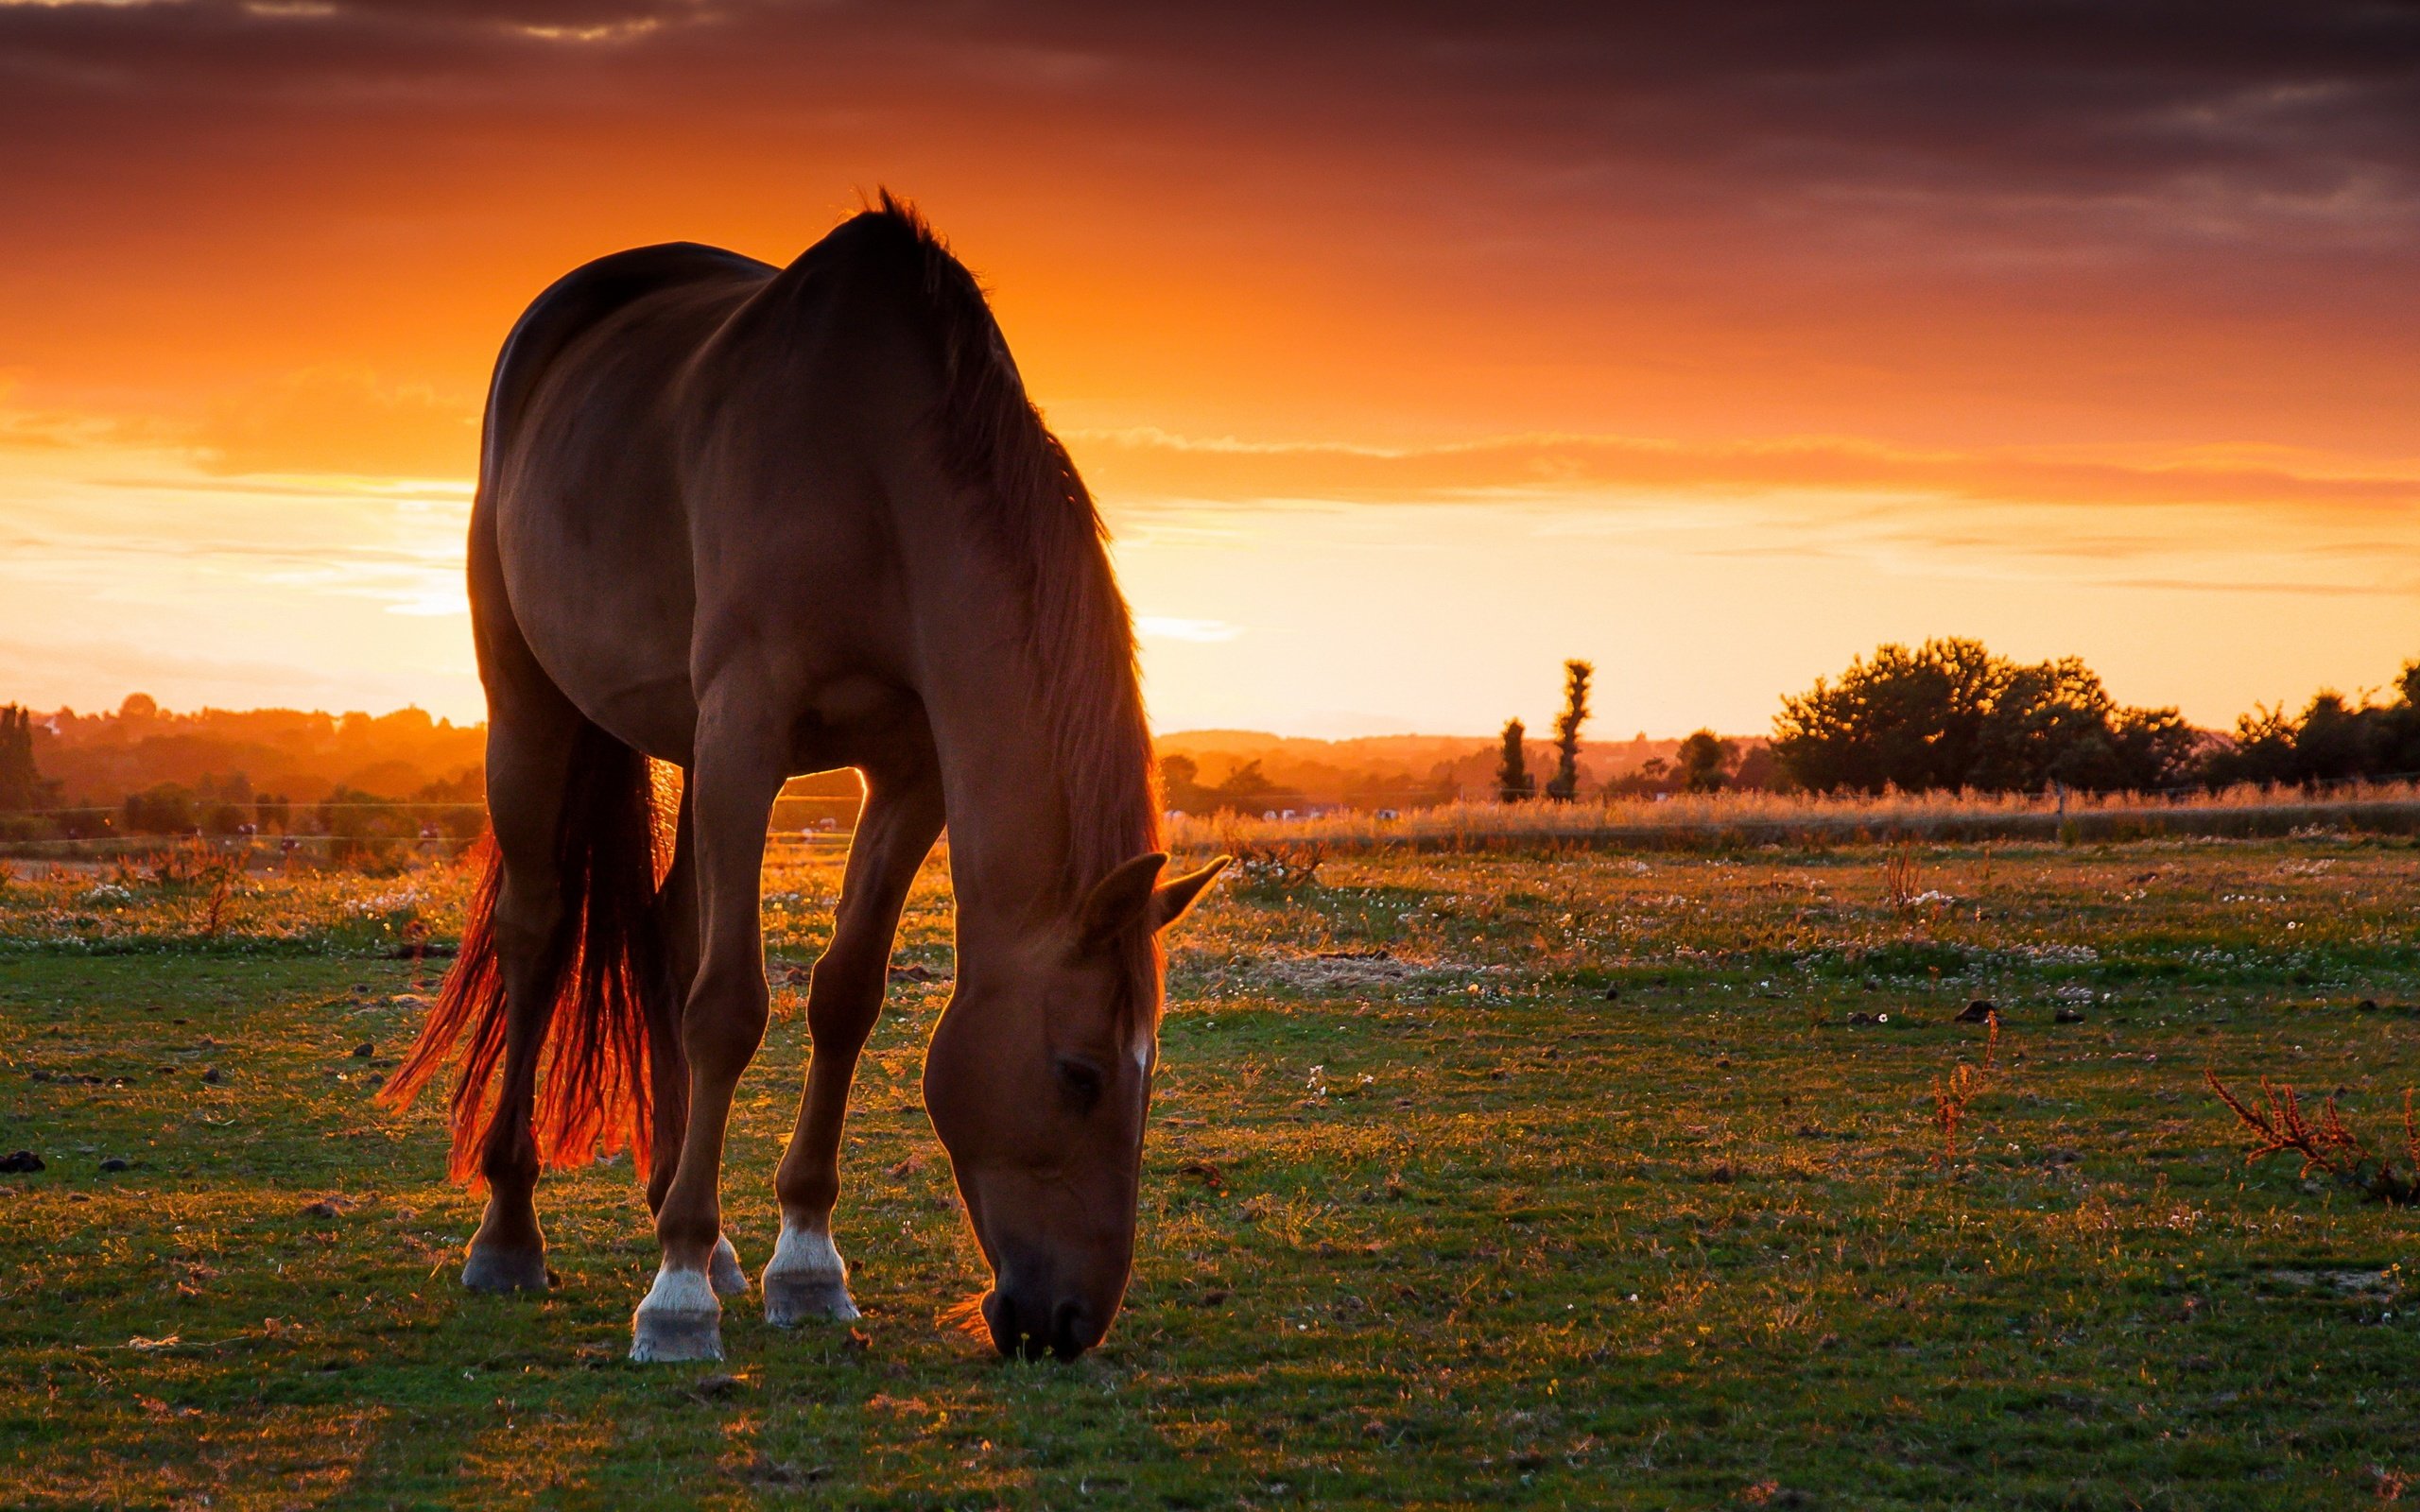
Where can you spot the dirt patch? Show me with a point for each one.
(1330, 971)
(2362, 1286)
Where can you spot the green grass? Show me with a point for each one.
(1511, 1244)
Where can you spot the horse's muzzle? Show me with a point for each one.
(1033, 1326)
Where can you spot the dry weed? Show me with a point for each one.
(2328, 1146)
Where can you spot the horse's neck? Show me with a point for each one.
(1008, 831)
(1005, 772)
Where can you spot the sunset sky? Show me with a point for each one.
(1410, 348)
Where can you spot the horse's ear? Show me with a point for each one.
(1120, 899)
(1171, 898)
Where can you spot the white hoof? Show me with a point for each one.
(494, 1268)
(723, 1270)
(806, 1281)
(678, 1319)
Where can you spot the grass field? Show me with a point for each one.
(1441, 1226)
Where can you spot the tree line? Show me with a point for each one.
(1951, 714)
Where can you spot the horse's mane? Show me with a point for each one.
(1042, 518)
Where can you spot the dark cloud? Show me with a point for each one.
(1782, 165)
(2278, 104)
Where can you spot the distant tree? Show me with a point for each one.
(456, 807)
(2155, 748)
(21, 784)
(1566, 785)
(2399, 745)
(1704, 763)
(1909, 718)
(1950, 714)
(1180, 785)
(2262, 751)
(1245, 788)
(165, 808)
(1757, 771)
(1513, 782)
(2333, 740)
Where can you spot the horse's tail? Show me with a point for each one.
(602, 976)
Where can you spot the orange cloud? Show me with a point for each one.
(1141, 466)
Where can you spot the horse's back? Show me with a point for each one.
(591, 296)
(579, 497)
(694, 462)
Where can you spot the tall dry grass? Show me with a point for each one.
(1751, 816)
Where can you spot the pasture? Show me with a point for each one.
(1592, 1180)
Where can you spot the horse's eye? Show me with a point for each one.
(1082, 1082)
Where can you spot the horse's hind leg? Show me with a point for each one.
(668, 1074)
(529, 755)
(807, 1278)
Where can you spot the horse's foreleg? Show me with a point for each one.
(807, 1278)
(734, 781)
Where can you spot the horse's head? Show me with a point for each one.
(1036, 1080)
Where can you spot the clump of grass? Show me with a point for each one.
(1899, 878)
(190, 863)
(2328, 1146)
(1285, 866)
(213, 909)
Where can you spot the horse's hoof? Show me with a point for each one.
(496, 1268)
(806, 1281)
(724, 1272)
(793, 1300)
(678, 1319)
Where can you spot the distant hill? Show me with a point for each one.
(99, 759)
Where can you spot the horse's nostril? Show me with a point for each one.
(1015, 1330)
(1068, 1335)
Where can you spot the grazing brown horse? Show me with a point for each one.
(757, 522)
